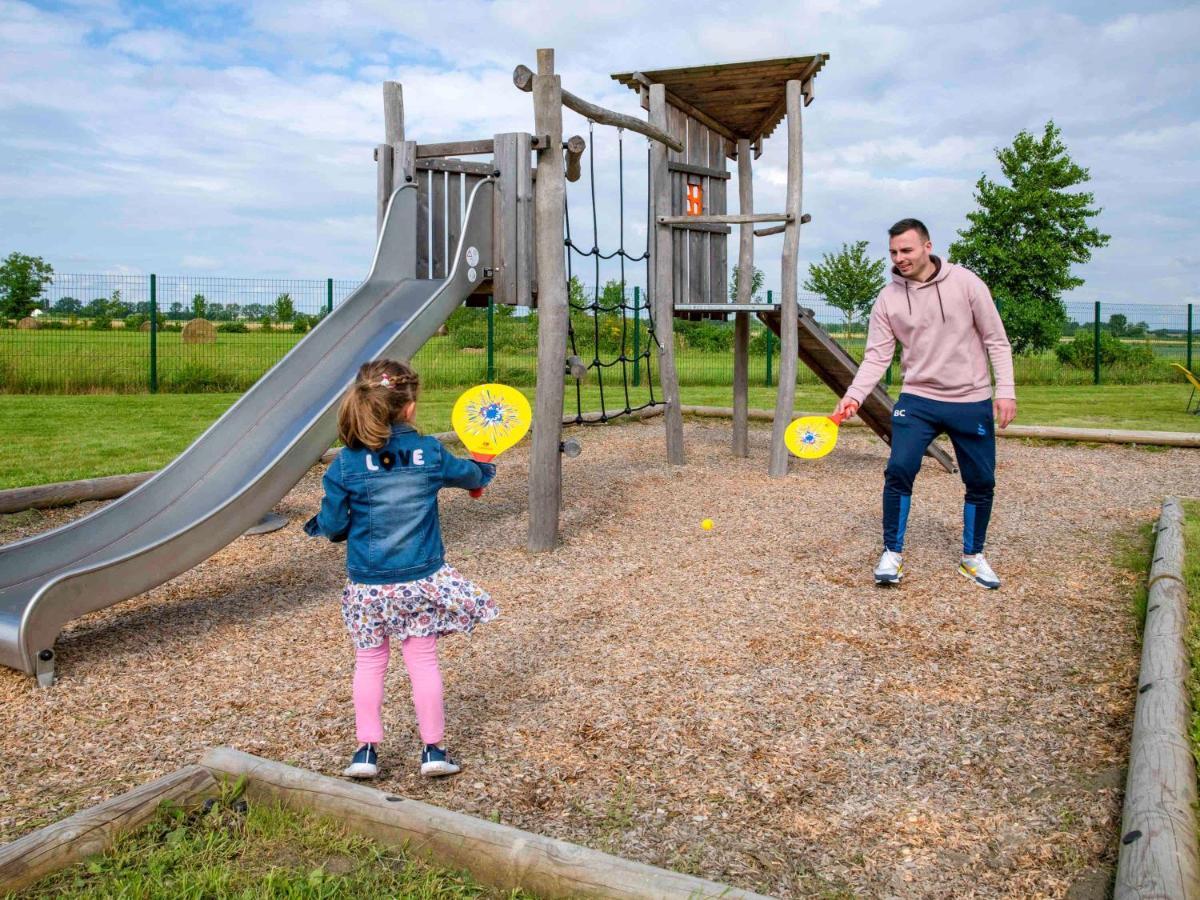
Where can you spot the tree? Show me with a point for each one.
(1026, 235)
(116, 308)
(848, 280)
(199, 306)
(96, 308)
(21, 281)
(254, 310)
(285, 309)
(756, 283)
(575, 293)
(68, 306)
(1117, 323)
(176, 310)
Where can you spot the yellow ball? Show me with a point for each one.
(706, 524)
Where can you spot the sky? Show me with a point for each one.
(208, 138)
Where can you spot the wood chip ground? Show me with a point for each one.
(741, 704)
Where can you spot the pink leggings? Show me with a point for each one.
(420, 658)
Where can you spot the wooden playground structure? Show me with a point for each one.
(699, 118)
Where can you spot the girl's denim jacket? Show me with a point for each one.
(383, 503)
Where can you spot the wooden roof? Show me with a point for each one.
(746, 99)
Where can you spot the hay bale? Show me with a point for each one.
(28, 322)
(145, 326)
(199, 331)
(443, 330)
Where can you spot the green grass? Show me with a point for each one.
(234, 849)
(60, 438)
(76, 361)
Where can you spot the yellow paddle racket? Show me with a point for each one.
(811, 437)
(489, 419)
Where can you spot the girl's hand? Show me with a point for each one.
(846, 408)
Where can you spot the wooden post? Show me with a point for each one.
(788, 312)
(1158, 853)
(663, 299)
(385, 153)
(545, 461)
(741, 320)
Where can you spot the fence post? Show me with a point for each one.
(637, 351)
(491, 339)
(153, 333)
(1096, 346)
(1189, 339)
(770, 342)
(328, 296)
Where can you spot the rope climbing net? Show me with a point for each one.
(609, 325)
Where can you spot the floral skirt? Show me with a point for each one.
(442, 603)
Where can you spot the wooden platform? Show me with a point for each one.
(836, 368)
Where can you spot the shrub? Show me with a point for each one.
(135, 321)
(232, 328)
(52, 325)
(101, 323)
(302, 323)
(1080, 352)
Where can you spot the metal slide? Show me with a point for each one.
(248, 459)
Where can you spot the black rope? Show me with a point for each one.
(597, 307)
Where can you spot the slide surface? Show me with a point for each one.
(248, 459)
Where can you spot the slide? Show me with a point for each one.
(818, 350)
(248, 459)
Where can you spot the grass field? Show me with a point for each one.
(233, 849)
(59, 438)
(80, 361)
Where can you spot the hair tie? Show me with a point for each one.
(385, 381)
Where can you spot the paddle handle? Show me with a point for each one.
(480, 457)
(838, 418)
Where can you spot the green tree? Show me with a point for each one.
(1026, 235)
(285, 309)
(176, 311)
(22, 279)
(199, 306)
(68, 306)
(116, 308)
(848, 280)
(756, 283)
(1117, 323)
(576, 296)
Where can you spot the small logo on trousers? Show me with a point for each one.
(981, 430)
(897, 413)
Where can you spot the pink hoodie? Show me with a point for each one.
(948, 328)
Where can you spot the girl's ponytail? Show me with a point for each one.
(377, 399)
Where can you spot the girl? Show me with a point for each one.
(381, 498)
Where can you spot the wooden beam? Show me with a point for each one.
(780, 229)
(393, 113)
(692, 169)
(455, 165)
(93, 830)
(663, 297)
(1158, 854)
(575, 147)
(728, 219)
(456, 148)
(788, 307)
(523, 79)
(741, 320)
(500, 856)
(702, 226)
(545, 459)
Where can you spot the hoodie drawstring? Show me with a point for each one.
(942, 308)
(908, 298)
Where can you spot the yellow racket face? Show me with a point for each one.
(811, 437)
(490, 418)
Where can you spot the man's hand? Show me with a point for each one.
(846, 408)
(1005, 411)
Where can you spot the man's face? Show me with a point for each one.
(910, 254)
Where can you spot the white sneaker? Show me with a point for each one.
(890, 569)
(977, 569)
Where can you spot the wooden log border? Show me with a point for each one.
(1158, 856)
(497, 855)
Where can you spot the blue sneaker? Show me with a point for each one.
(365, 763)
(436, 761)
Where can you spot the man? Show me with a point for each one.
(948, 327)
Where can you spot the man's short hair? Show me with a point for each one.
(909, 225)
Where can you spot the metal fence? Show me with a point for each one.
(96, 333)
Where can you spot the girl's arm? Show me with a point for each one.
(465, 473)
(333, 519)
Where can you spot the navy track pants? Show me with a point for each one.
(916, 421)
